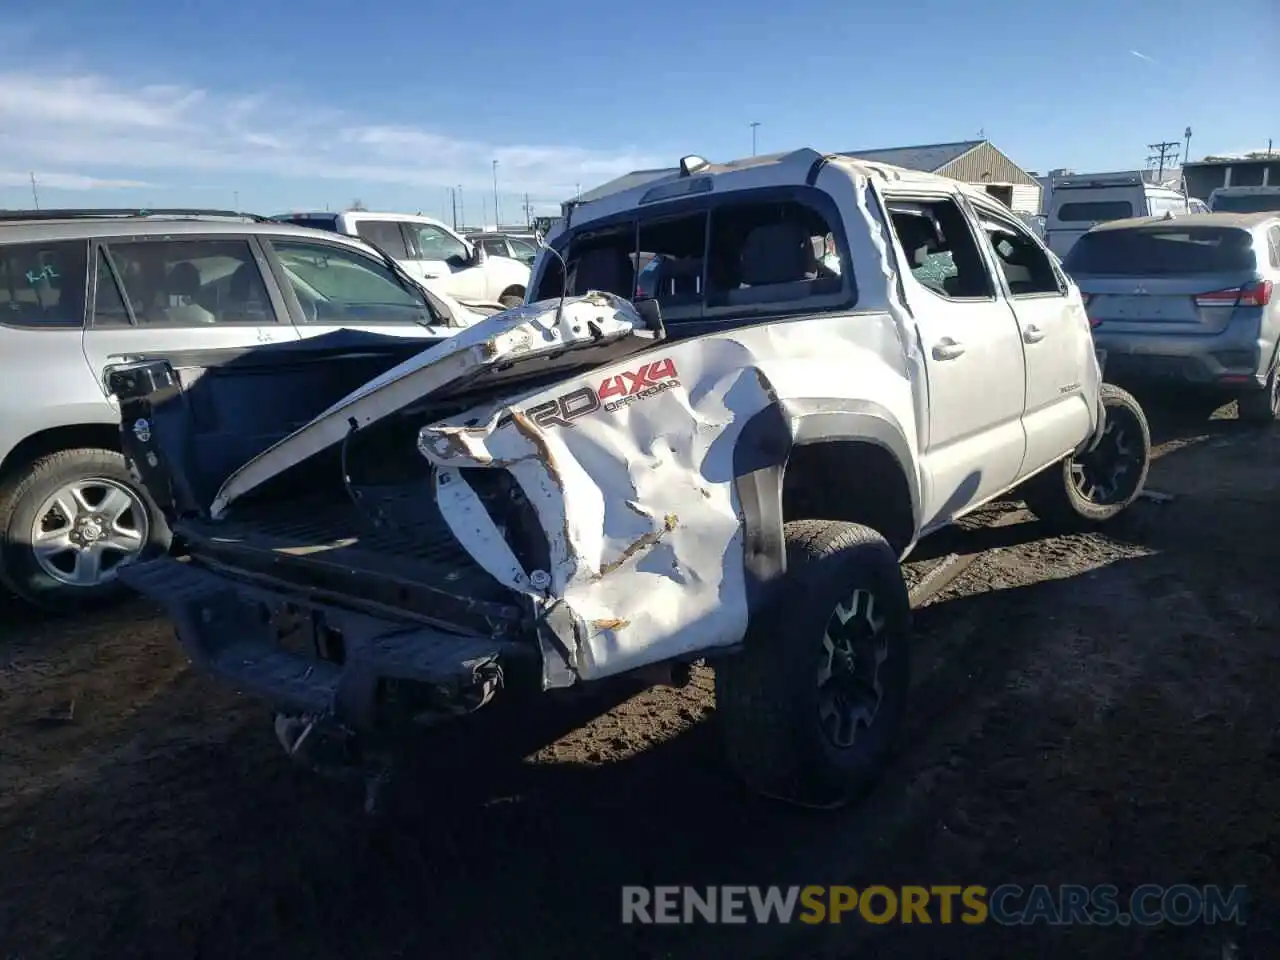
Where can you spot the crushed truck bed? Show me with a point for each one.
(393, 548)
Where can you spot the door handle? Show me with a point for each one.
(947, 349)
(1032, 334)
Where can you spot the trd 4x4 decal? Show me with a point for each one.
(614, 393)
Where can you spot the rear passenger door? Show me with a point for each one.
(196, 301)
(1057, 342)
(972, 353)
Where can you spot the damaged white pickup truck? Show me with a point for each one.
(832, 359)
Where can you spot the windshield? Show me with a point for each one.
(1247, 202)
(1157, 252)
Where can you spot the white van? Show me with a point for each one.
(1245, 199)
(429, 252)
(1077, 204)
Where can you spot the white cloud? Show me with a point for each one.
(65, 181)
(53, 121)
(1142, 56)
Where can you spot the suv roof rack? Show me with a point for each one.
(90, 213)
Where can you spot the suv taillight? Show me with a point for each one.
(1256, 294)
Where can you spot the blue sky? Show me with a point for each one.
(282, 106)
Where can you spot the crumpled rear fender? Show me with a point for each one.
(635, 472)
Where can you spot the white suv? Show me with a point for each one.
(431, 253)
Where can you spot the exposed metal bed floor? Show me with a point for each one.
(399, 534)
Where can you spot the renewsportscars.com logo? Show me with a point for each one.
(614, 393)
(1007, 905)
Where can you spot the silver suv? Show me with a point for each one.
(81, 290)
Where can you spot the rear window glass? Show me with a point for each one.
(315, 223)
(43, 284)
(1153, 252)
(1247, 203)
(1094, 211)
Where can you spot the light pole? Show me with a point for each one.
(753, 125)
(497, 218)
(462, 207)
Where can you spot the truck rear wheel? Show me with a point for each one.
(68, 522)
(812, 706)
(1096, 485)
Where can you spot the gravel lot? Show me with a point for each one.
(1090, 709)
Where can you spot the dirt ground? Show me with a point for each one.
(1089, 709)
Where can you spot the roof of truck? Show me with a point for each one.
(776, 169)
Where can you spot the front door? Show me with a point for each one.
(330, 287)
(1056, 339)
(972, 354)
(445, 261)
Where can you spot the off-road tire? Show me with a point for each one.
(21, 495)
(1053, 496)
(1261, 406)
(767, 696)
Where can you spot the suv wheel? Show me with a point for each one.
(69, 523)
(1096, 485)
(1261, 406)
(512, 297)
(811, 707)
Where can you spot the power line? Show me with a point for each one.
(1160, 152)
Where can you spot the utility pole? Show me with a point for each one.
(462, 209)
(454, 194)
(754, 124)
(1186, 148)
(1160, 152)
(528, 211)
(35, 193)
(497, 217)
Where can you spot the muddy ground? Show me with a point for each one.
(1090, 709)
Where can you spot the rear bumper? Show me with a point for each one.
(364, 672)
(1227, 359)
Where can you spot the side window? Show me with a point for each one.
(340, 286)
(435, 244)
(1273, 241)
(940, 249)
(522, 249)
(1026, 267)
(43, 284)
(770, 252)
(191, 282)
(494, 247)
(108, 303)
(385, 235)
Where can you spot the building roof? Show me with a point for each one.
(929, 157)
